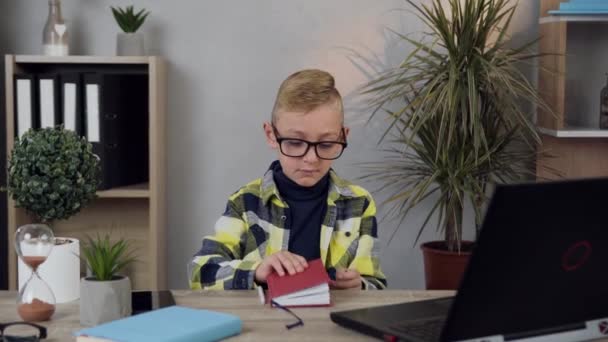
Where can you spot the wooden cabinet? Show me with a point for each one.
(136, 212)
(571, 75)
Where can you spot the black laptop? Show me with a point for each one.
(539, 272)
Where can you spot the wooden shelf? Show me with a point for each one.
(131, 191)
(574, 18)
(137, 212)
(569, 82)
(84, 59)
(575, 132)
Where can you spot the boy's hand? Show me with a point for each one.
(346, 279)
(281, 262)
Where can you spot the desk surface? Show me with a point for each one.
(260, 323)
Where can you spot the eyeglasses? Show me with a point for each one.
(328, 150)
(21, 332)
(292, 325)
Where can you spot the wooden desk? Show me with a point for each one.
(260, 323)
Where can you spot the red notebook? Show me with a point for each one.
(308, 288)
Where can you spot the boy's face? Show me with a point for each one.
(321, 124)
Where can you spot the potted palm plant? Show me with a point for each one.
(105, 294)
(129, 42)
(53, 174)
(460, 123)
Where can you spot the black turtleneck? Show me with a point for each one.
(307, 207)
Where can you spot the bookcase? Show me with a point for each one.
(135, 212)
(570, 78)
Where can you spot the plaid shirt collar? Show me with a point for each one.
(338, 187)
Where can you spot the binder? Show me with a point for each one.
(48, 100)
(116, 125)
(25, 99)
(71, 92)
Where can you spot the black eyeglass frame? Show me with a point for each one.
(310, 143)
(290, 326)
(41, 329)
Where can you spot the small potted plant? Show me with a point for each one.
(53, 174)
(105, 294)
(129, 42)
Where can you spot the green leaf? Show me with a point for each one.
(456, 107)
(52, 173)
(127, 19)
(106, 259)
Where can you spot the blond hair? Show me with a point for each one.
(306, 90)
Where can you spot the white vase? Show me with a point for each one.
(61, 271)
(130, 44)
(55, 33)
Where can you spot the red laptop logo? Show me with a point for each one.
(576, 256)
(603, 328)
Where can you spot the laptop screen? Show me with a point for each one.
(540, 262)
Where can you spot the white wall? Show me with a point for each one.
(226, 61)
(3, 197)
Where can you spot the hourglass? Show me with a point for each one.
(36, 301)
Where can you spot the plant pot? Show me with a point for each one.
(443, 269)
(130, 44)
(104, 301)
(60, 271)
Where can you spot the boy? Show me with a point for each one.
(300, 210)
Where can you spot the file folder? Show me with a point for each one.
(71, 102)
(116, 116)
(25, 103)
(48, 102)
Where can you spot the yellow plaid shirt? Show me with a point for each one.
(253, 226)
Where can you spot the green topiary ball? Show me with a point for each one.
(52, 173)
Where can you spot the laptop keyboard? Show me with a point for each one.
(427, 330)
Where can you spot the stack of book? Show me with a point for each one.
(581, 7)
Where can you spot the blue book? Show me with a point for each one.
(581, 7)
(170, 324)
(587, 1)
(578, 12)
